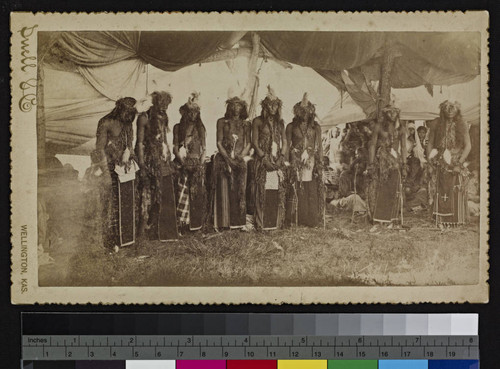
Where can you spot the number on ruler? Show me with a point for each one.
(406, 353)
(250, 354)
(295, 354)
(181, 353)
(203, 354)
(136, 353)
(429, 354)
(113, 354)
(226, 354)
(272, 354)
(69, 354)
(131, 341)
(451, 354)
(189, 340)
(317, 353)
(91, 354)
(339, 354)
(417, 340)
(361, 354)
(384, 353)
(158, 354)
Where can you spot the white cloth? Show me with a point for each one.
(272, 180)
(125, 175)
(418, 150)
(307, 171)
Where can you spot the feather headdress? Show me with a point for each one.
(304, 106)
(194, 101)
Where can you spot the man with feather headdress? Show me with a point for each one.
(306, 190)
(157, 209)
(387, 167)
(448, 147)
(189, 150)
(229, 174)
(269, 142)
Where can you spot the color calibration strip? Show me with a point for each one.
(250, 324)
(256, 364)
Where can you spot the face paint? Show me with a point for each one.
(193, 114)
(237, 109)
(273, 108)
(450, 110)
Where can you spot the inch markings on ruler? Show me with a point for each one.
(249, 347)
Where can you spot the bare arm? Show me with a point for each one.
(430, 142)
(203, 140)
(372, 145)
(467, 145)
(318, 142)
(101, 141)
(248, 141)
(175, 146)
(284, 143)
(141, 123)
(255, 137)
(288, 134)
(220, 137)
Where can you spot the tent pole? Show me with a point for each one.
(390, 53)
(40, 119)
(252, 75)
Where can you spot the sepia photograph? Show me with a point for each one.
(242, 158)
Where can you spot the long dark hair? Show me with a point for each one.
(160, 99)
(460, 125)
(299, 110)
(184, 110)
(124, 112)
(266, 104)
(229, 105)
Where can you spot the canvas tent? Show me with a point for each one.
(106, 65)
(414, 103)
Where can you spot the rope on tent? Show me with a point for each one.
(147, 79)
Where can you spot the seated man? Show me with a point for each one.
(352, 178)
(416, 187)
(353, 203)
(330, 179)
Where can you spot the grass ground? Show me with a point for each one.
(342, 254)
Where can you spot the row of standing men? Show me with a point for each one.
(148, 195)
(276, 169)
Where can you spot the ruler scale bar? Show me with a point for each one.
(103, 347)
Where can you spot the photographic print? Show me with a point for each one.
(249, 158)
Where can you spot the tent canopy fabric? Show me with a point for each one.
(114, 64)
(167, 50)
(324, 50)
(438, 58)
(424, 57)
